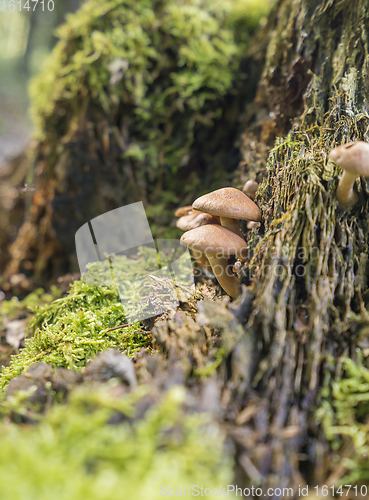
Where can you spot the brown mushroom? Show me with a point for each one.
(191, 221)
(229, 204)
(218, 243)
(183, 211)
(196, 219)
(202, 262)
(184, 222)
(250, 187)
(251, 225)
(353, 158)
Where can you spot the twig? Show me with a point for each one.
(115, 328)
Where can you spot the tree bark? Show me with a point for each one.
(308, 261)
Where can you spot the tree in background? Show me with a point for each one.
(139, 101)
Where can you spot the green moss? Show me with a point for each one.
(73, 329)
(137, 99)
(75, 453)
(309, 274)
(310, 253)
(343, 415)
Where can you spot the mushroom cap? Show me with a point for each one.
(250, 187)
(181, 211)
(195, 219)
(228, 202)
(184, 222)
(352, 157)
(214, 239)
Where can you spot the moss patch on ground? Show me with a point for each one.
(73, 329)
(77, 452)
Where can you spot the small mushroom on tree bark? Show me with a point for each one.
(353, 158)
(218, 243)
(250, 187)
(229, 204)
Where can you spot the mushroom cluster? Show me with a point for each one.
(353, 158)
(211, 223)
(213, 232)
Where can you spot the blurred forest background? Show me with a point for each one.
(26, 39)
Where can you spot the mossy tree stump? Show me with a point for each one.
(309, 261)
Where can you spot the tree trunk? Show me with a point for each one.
(308, 265)
(116, 128)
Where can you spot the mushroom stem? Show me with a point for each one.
(345, 193)
(202, 261)
(231, 224)
(224, 275)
